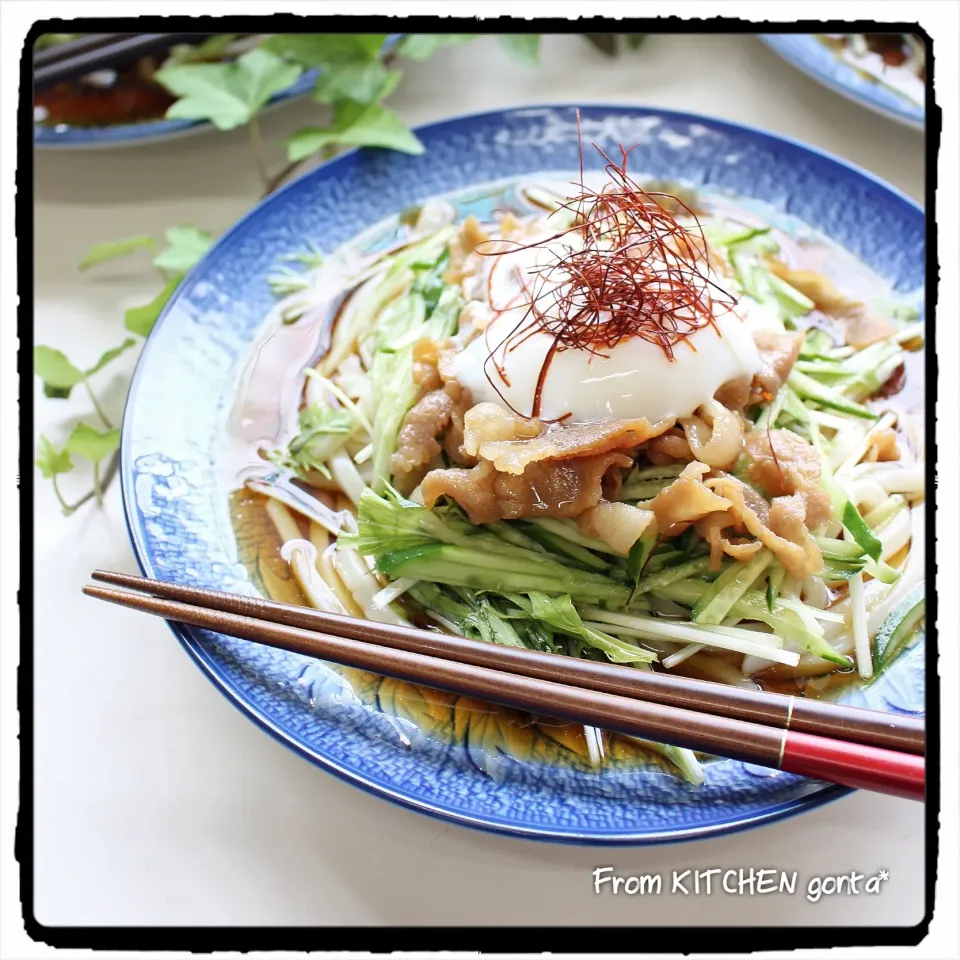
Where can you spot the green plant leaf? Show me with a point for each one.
(53, 39)
(422, 46)
(91, 444)
(523, 47)
(227, 94)
(211, 49)
(58, 374)
(110, 356)
(606, 43)
(364, 81)
(140, 320)
(187, 245)
(114, 249)
(51, 461)
(635, 40)
(325, 49)
(355, 125)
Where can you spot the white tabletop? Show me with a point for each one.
(157, 801)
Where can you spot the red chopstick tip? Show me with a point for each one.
(855, 765)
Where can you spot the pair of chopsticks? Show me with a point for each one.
(98, 51)
(850, 746)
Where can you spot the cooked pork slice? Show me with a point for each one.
(550, 488)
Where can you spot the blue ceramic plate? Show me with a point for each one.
(151, 131)
(460, 762)
(808, 54)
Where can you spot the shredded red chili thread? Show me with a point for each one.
(629, 269)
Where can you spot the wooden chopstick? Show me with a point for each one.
(842, 762)
(98, 51)
(855, 724)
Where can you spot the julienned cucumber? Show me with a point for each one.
(785, 623)
(810, 389)
(729, 587)
(898, 627)
(464, 567)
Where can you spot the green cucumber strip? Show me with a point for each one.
(843, 550)
(668, 471)
(465, 567)
(810, 389)
(835, 570)
(569, 551)
(774, 582)
(642, 489)
(509, 533)
(640, 556)
(791, 301)
(897, 628)
(879, 515)
(817, 341)
(860, 532)
(785, 623)
(771, 412)
(568, 530)
(727, 589)
(654, 581)
(881, 571)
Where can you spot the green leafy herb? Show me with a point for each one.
(422, 46)
(114, 249)
(227, 94)
(91, 444)
(561, 614)
(355, 125)
(140, 320)
(323, 431)
(523, 47)
(187, 245)
(635, 40)
(51, 461)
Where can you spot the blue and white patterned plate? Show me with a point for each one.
(384, 737)
(815, 59)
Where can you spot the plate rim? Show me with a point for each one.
(915, 119)
(825, 794)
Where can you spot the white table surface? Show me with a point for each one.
(157, 802)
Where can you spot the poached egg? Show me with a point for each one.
(635, 378)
